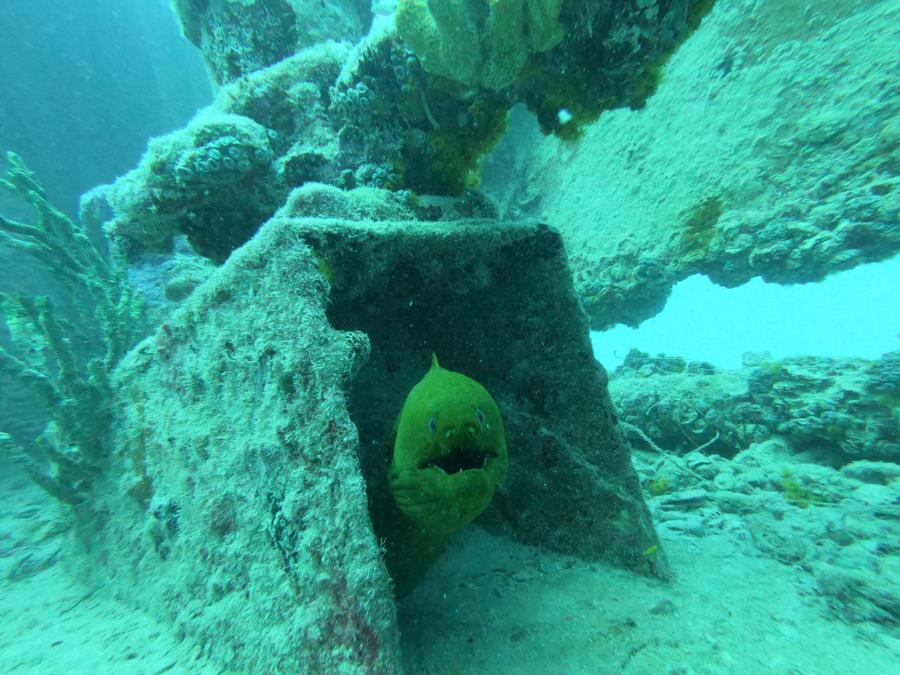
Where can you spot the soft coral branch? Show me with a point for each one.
(72, 384)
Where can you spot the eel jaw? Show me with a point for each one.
(459, 459)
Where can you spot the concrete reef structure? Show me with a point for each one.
(374, 114)
(768, 150)
(487, 297)
(235, 504)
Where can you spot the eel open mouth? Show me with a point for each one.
(459, 459)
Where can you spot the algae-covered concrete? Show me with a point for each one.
(233, 505)
(769, 149)
(495, 302)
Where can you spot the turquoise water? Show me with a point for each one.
(704, 322)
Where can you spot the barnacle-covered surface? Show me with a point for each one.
(223, 175)
(301, 121)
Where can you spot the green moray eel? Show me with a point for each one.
(449, 456)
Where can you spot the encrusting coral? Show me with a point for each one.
(476, 43)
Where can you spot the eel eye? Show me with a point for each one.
(432, 425)
(482, 420)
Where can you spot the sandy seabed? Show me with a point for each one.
(488, 606)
